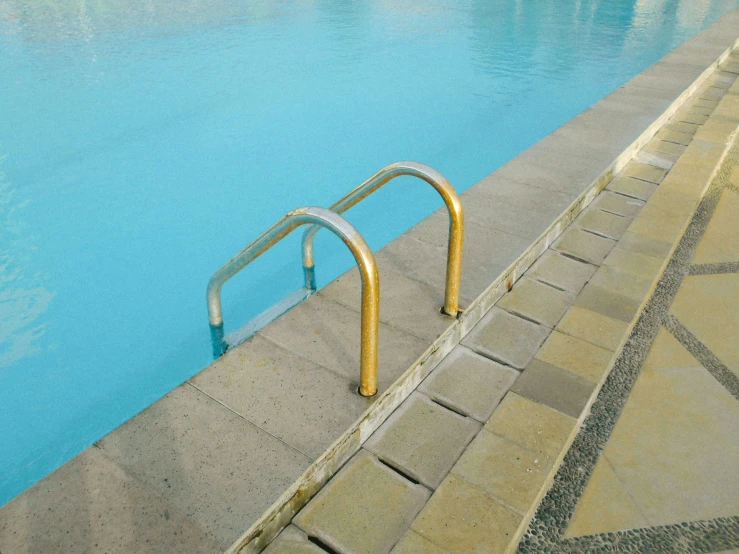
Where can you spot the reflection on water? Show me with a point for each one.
(147, 141)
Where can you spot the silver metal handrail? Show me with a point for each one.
(318, 217)
(456, 224)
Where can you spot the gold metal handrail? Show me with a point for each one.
(456, 224)
(316, 217)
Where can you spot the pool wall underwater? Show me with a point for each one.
(141, 147)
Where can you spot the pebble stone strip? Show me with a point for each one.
(620, 244)
(548, 526)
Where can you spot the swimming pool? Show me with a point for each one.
(144, 143)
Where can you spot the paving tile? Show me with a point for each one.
(593, 327)
(507, 191)
(583, 245)
(560, 271)
(675, 446)
(460, 518)
(720, 241)
(554, 387)
(469, 383)
(617, 204)
(702, 102)
(364, 509)
(658, 159)
(607, 302)
(686, 115)
(703, 110)
(413, 543)
(711, 93)
(708, 305)
(535, 300)
(91, 504)
(215, 466)
(576, 356)
(684, 127)
(609, 277)
(292, 541)
(533, 426)
(299, 402)
(405, 303)
(717, 131)
(605, 506)
(328, 334)
(644, 172)
(640, 244)
(506, 338)
(504, 470)
(676, 137)
(664, 147)
(603, 223)
(422, 439)
(659, 225)
(633, 263)
(634, 188)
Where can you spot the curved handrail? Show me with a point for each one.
(319, 217)
(456, 223)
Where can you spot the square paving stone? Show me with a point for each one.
(634, 188)
(607, 302)
(644, 245)
(561, 271)
(593, 327)
(628, 284)
(657, 145)
(618, 204)
(538, 301)
(506, 338)
(683, 127)
(644, 172)
(364, 509)
(559, 389)
(676, 137)
(575, 355)
(469, 383)
(405, 303)
(413, 543)
(504, 470)
(583, 245)
(91, 504)
(603, 223)
(292, 541)
(533, 426)
(328, 334)
(299, 402)
(215, 466)
(422, 439)
(461, 518)
(636, 264)
(659, 159)
(508, 191)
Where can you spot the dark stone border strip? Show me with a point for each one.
(549, 524)
(714, 269)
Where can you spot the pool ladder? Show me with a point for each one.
(329, 218)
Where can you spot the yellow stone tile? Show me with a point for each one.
(720, 242)
(605, 506)
(644, 172)
(674, 136)
(575, 355)
(657, 145)
(728, 108)
(632, 187)
(640, 265)
(628, 284)
(708, 305)
(533, 426)
(607, 302)
(645, 245)
(716, 131)
(675, 447)
(734, 177)
(413, 543)
(658, 226)
(460, 518)
(593, 327)
(504, 470)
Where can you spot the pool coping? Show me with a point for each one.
(279, 515)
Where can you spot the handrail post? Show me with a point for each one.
(456, 224)
(370, 312)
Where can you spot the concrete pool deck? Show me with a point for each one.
(199, 467)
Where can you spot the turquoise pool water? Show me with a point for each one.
(144, 142)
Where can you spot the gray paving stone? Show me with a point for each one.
(469, 383)
(607, 302)
(405, 303)
(603, 223)
(537, 301)
(617, 204)
(365, 509)
(657, 159)
(561, 271)
(215, 466)
(634, 188)
(328, 334)
(91, 504)
(644, 245)
(557, 388)
(506, 338)
(508, 191)
(622, 282)
(423, 439)
(583, 245)
(292, 541)
(644, 172)
(299, 402)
